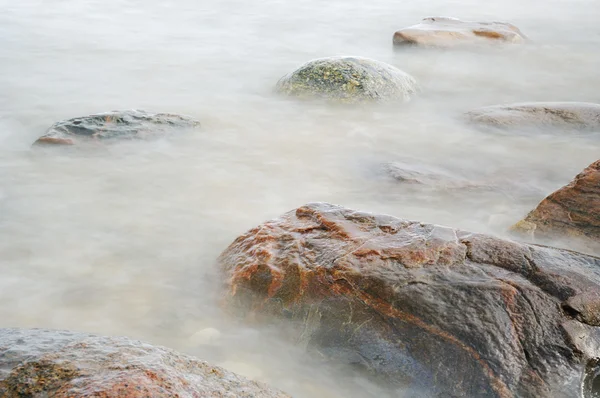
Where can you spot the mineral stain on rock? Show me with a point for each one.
(115, 125)
(438, 311)
(348, 80)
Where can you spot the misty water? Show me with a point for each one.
(123, 240)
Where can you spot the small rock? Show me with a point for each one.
(448, 32)
(572, 212)
(62, 364)
(122, 125)
(420, 174)
(574, 115)
(208, 336)
(349, 80)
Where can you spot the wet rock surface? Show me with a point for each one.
(574, 115)
(572, 212)
(51, 363)
(429, 176)
(437, 311)
(121, 125)
(449, 32)
(348, 79)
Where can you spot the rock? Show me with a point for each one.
(571, 212)
(449, 32)
(575, 115)
(420, 174)
(348, 79)
(49, 363)
(438, 311)
(128, 125)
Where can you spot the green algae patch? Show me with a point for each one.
(348, 80)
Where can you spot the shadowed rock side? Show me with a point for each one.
(571, 212)
(574, 115)
(449, 32)
(50, 363)
(128, 125)
(348, 79)
(435, 310)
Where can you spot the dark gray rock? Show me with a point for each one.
(438, 311)
(121, 125)
(61, 364)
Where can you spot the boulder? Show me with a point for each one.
(51, 363)
(573, 115)
(426, 175)
(348, 79)
(433, 310)
(449, 32)
(128, 125)
(572, 212)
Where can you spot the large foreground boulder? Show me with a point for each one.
(61, 364)
(128, 125)
(348, 79)
(572, 115)
(572, 212)
(449, 32)
(438, 311)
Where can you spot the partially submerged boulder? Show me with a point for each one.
(429, 176)
(62, 364)
(438, 311)
(122, 125)
(348, 79)
(572, 212)
(573, 115)
(449, 32)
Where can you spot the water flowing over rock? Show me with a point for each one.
(571, 212)
(348, 79)
(50, 363)
(128, 125)
(439, 311)
(574, 115)
(449, 32)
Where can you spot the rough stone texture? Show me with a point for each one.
(572, 212)
(130, 124)
(61, 364)
(449, 32)
(439, 311)
(575, 115)
(348, 79)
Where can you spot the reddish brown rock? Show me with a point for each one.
(450, 32)
(437, 311)
(61, 364)
(572, 212)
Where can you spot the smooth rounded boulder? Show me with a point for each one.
(570, 115)
(572, 212)
(426, 308)
(115, 125)
(348, 80)
(64, 364)
(450, 32)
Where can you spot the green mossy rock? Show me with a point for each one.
(348, 79)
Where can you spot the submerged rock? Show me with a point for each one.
(577, 115)
(572, 212)
(51, 363)
(433, 177)
(128, 125)
(448, 32)
(438, 311)
(348, 79)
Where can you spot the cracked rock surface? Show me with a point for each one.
(61, 364)
(438, 311)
